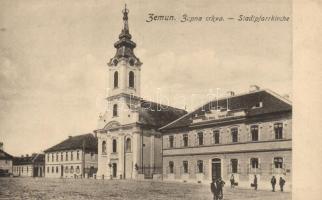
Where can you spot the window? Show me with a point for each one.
(185, 167)
(254, 132)
(171, 166)
(56, 157)
(116, 79)
(234, 165)
(52, 157)
(216, 136)
(77, 170)
(114, 146)
(92, 155)
(56, 169)
(66, 169)
(278, 129)
(200, 138)
(128, 145)
(104, 147)
(61, 156)
(52, 169)
(234, 134)
(66, 156)
(185, 140)
(71, 169)
(171, 139)
(47, 169)
(77, 155)
(200, 166)
(27, 169)
(47, 157)
(71, 156)
(278, 162)
(254, 163)
(131, 79)
(114, 110)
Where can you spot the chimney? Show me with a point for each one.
(1, 146)
(253, 88)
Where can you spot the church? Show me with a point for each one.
(240, 136)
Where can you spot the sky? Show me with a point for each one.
(53, 55)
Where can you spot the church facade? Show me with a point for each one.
(129, 142)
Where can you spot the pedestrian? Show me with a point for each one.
(232, 181)
(255, 182)
(273, 182)
(282, 183)
(220, 184)
(213, 188)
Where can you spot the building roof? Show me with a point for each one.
(158, 115)
(87, 141)
(271, 103)
(5, 156)
(34, 158)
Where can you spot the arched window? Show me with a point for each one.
(171, 166)
(254, 132)
(116, 79)
(77, 155)
(104, 147)
(200, 166)
(128, 145)
(114, 146)
(131, 79)
(114, 110)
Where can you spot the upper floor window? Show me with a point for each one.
(77, 155)
(185, 166)
(61, 156)
(114, 146)
(66, 156)
(234, 165)
(278, 129)
(254, 163)
(52, 157)
(200, 166)
(254, 132)
(234, 134)
(104, 147)
(128, 145)
(216, 136)
(278, 162)
(171, 139)
(116, 79)
(131, 79)
(200, 138)
(57, 157)
(114, 110)
(185, 140)
(171, 166)
(71, 156)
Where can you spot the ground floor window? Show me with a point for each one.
(200, 166)
(254, 163)
(56, 169)
(234, 165)
(171, 166)
(47, 169)
(185, 166)
(278, 162)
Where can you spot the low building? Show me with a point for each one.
(5, 162)
(29, 166)
(75, 157)
(241, 136)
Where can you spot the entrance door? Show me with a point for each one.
(114, 167)
(62, 171)
(216, 168)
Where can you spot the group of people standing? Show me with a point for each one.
(254, 184)
(217, 185)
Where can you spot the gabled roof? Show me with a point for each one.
(158, 115)
(86, 141)
(272, 103)
(5, 156)
(34, 158)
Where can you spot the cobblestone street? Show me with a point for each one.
(42, 188)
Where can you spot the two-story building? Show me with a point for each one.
(5, 162)
(75, 157)
(29, 166)
(240, 135)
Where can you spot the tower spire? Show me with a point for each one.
(125, 12)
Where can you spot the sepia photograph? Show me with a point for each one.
(103, 99)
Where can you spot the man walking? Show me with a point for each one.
(220, 184)
(282, 183)
(255, 182)
(273, 182)
(214, 189)
(232, 181)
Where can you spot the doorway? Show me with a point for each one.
(216, 168)
(114, 168)
(62, 171)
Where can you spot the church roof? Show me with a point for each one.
(34, 158)
(5, 156)
(158, 115)
(271, 103)
(87, 141)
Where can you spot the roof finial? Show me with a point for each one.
(125, 12)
